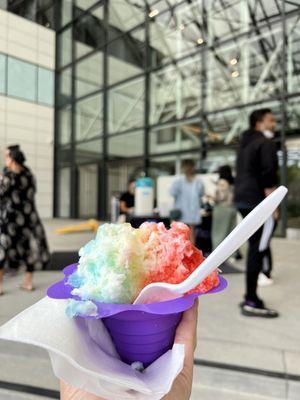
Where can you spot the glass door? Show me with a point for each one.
(88, 190)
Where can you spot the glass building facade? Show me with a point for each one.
(142, 85)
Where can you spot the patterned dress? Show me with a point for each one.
(22, 237)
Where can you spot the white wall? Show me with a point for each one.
(29, 124)
(27, 40)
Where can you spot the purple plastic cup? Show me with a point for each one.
(141, 336)
(140, 332)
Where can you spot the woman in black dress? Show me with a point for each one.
(22, 236)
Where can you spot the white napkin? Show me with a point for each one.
(83, 355)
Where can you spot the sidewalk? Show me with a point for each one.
(241, 358)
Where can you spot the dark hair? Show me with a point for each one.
(17, 156)
(13, 147)
(258, 116)
(225, 173)
(190, 163)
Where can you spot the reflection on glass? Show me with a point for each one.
(293, 59)
(65, 87)
(181, 32)
(175, 138)
(176, 91)
(292, 132)
(89, 151)
(41, 11)
(217, 158)
(66, 12)
(225, 127)
(89, 74)
(126, 106)
(240, 16)
(89, 116)
(293, 176)
(126, 145)
(2, 73)
(242, 73)
(89, 32)
(119, 174)
(64, 182)
(45, 86)
(124, 16)
(64, 155)
(88, 190)
(21, 80)
(85, 4)
(126, 57)
(65, 47)
(163, 166)
(64, 125)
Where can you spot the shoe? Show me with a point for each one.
(27, 288)
(252, 309)
(263, 280)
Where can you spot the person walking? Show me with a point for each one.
(256, 178)
(19, 221)
(224, 212)
(187, 191)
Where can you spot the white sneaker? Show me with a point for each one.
(263, 280)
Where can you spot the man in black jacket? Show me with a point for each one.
(256, 178)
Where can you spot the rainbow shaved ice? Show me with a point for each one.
(121, 261)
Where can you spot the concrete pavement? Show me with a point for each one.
(245, 358)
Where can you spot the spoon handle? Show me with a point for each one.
(234, 240)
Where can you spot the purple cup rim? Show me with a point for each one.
(62, 290)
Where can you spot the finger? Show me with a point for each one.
(186, 332)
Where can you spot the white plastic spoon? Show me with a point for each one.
(161, 291)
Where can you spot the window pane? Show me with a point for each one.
(88, 190)
(216, 158)
(89, 32)
(85, 4)
(123, 16)
(293, 55)
(64, 125)
(251, 73)
(22, 79)
(66, 12)
(119, 173)
(127, 145)
(175, 138)
(65, 87)
(162, 166)
(65, 47)
(3, 4)
(89, 115)
(64, 192)
(175, 33)
(46, 86)
(45, 13)
(89, 74)
(2, 73)
(226, 127)
(126, 56)
(176, 91)
(126, 106)
(89, 151)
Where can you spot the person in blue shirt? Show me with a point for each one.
(187, 191)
